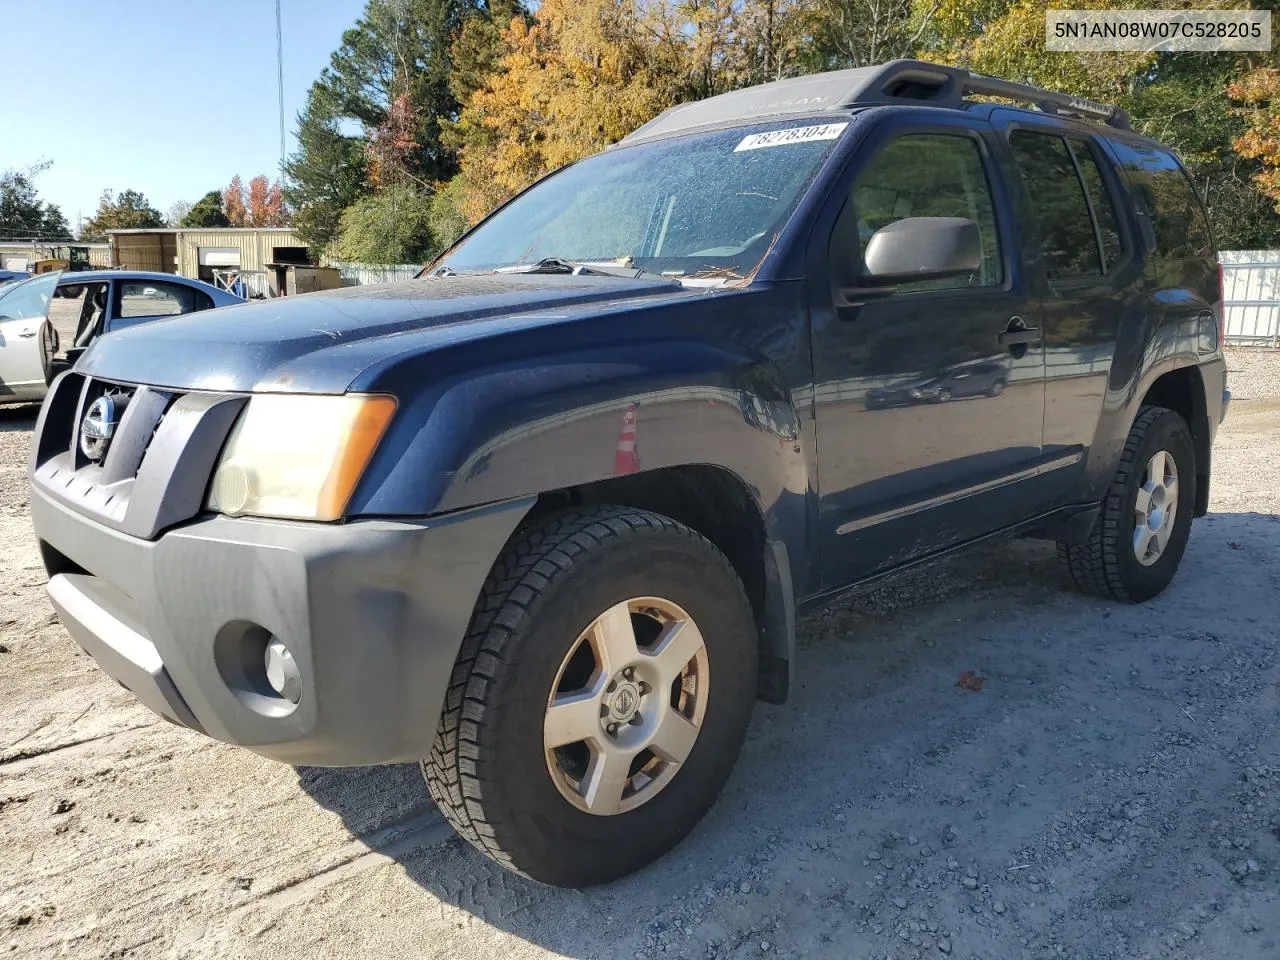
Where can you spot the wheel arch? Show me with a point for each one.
(717, 503)
(1182, 391)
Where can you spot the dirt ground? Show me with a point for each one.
(1112, 791)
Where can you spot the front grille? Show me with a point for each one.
(155, 466)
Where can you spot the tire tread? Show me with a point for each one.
(459, 771)
(1093, 566)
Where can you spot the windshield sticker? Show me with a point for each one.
(780, 138)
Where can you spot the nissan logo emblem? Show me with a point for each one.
(97, 428)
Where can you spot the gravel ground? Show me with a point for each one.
(1111, 791)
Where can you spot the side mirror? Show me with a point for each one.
(922, 248)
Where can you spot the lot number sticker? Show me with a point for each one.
(780, 138)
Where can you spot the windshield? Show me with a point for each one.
(709, 202)
(29, 299)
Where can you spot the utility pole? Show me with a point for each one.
(280, 82)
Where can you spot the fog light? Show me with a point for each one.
(282, 671)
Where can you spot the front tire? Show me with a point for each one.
(600, 698)
(1138, 540)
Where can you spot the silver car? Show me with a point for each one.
(39, 314)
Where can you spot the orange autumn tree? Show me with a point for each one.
(266, 204)
(583, 75)
(1258, 93)
(233, 202)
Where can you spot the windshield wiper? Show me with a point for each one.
(561, 265)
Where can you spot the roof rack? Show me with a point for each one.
(902, 82)
(1048, 101)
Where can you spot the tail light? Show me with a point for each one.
(1222, 308)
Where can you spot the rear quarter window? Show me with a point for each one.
(1165, 195)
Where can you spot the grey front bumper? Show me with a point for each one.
(373, 611)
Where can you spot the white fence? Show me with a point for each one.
(365, 274)
(1251, 296)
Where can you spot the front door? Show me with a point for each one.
(26, 338)
(930, 396)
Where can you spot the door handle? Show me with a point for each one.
(26, 333)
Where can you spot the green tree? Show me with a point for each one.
(401, 48)
(22, 215)
(130, 210)
(207, 212)
(54, 225)
(478, 48)
(1181, 102)
(327, 174)
(857, 33)
(448, 219)
(391, 226)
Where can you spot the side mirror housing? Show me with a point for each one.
(922, 248)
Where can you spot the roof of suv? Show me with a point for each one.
(898, 82)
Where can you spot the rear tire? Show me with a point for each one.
(1135, 546)
(491, 770)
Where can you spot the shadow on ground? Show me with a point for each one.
(18, 416)
(882, 780)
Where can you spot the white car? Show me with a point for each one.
(88, 304)
(28, 341)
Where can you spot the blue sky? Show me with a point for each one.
(169, 97)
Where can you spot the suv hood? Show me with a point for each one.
(320, 342)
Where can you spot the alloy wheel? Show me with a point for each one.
(627, 706)
(1155, 508)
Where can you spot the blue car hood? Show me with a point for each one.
(321, 342)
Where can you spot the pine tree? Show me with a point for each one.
(327, 174)
(207, 212)
(128, 211)
(22, 215)
(401, 48)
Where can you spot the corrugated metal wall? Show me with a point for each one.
(99, 253)
(1251, 296)
(255, 246)
(144, 251)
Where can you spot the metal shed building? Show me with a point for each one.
(199, 253)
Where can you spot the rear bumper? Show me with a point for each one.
(374, 613)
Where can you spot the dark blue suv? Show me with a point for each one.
(544, 518)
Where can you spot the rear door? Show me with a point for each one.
(26, 338)
(1093, 277)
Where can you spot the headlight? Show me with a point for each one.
(296, 456)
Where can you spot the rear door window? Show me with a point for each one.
(147, 298)
(1100, 202)
(1165, 195)
(1059, 203)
